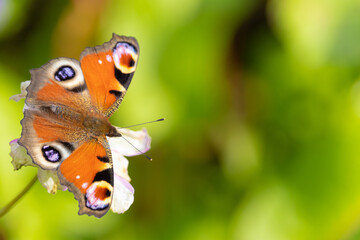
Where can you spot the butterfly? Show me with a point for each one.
(66, 121)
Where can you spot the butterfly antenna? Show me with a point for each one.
(137, 149)
(158, 120)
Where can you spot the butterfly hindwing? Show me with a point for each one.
(89, 175)
(47, 139)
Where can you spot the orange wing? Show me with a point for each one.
(108, 70)
(89, 175)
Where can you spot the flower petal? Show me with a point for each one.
(49, 180)
(123, 195)
(120, 165)
(140, 139)
(23, 93)
(19, 155)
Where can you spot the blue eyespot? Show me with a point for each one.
(51, 154)
(64, 73)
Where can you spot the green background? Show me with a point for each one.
(262, 106)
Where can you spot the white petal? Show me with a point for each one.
(120, 165)
(19, 155)
(123, 195)
(140, 139)
(23, 93)
(49, 179)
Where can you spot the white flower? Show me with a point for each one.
(50, 180)
(19, 155)
(123, 195)
(123, 191)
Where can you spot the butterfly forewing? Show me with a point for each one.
(108, 70)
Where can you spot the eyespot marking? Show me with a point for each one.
(50, 153)
(64, 73)
(97, 196)
(107, 193)
(128, 47)
(131, 63)
(125, 57)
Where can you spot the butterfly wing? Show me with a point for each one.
(108, 70)
(47, 139)
(60, 82)
(89, 175)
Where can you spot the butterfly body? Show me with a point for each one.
(66, 121)
(97, 126)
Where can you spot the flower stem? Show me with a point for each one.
(5, 209)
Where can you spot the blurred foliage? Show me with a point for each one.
(262, 101)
